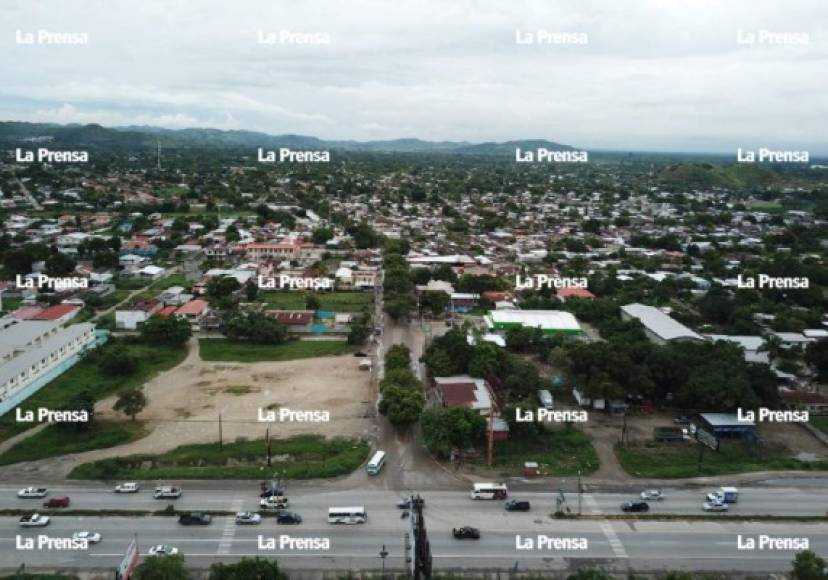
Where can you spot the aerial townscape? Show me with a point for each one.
(297, 345)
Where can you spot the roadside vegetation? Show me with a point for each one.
(402, 394)
(121, 364)
(559, 452)
(299, 457)
(820, 423)
(669, 461)
(333, 301)
(226, 350)
(55, 440)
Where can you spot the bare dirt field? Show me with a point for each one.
(185, 402)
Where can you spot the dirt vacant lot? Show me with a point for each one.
(185, 402)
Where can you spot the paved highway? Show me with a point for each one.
(638, 545)
(790, 501)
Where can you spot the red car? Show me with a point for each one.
(57, 502)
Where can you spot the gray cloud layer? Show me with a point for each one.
(655, 74)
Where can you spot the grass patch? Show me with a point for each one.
(225, 350)
(300, 457)
(57, 440)
(561, 452)
(11, 304)
(86, 375)
(333, 301)
(820, 422)
(654, 460)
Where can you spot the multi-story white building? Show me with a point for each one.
(33, 352)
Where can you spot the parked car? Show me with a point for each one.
(272, 493)
(359, 353)
(517, 505)
(635, 506)
(56, 502)
(32, 492)
(251, 518)
(652, 494)
(288, 518)
(713, 506)
(162, 550)
(681, 420)
(34, 521)
(466, 533)
(194, 519)
(130, 487)
(90, 537)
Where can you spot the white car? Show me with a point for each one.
(130, 487)
(32, 492)
(716, 497)
(90, 537)
(34, 521)
(274, 502)
(163, 550)
(652, 494)
(714, 506)
(248, 518)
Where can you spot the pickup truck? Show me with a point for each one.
(32, 492)
(57, 502)
(130, 487)
(33, 521)
(724, 495)
(274, 502)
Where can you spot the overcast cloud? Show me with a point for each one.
(655, 75)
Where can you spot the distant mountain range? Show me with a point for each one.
(18, 134)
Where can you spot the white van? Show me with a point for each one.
(167, 492)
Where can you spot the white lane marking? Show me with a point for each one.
(229, 530)
(592, 504)
(614, 542)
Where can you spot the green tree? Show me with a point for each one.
(247, 569)
(131, 402)
(83, 401)
(59, 264)
(162, 568)
(222, 287)
(435, 302)
(322, 235)
(402, 406)
(254, 327)
(360, 330)
(312, 301)
(231, 234)
(808, 566)
(817, 355)
(445, 429)
(170, 331)
(251, 291)
(117, 361)
(398, 356)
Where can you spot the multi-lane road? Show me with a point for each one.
(636, 544)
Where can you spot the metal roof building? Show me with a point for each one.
(549, 321)
(659, 327)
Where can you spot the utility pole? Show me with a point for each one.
(580, 492)
(267, 443)
(383, 555)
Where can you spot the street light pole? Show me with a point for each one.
(383, 554)
(580, 492)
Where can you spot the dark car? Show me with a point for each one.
(272, 492)
(194, 519)
(681, 420)
(406, 503)
(517, 505)
(360, 354)
(466, 533)
(57, 502)
(288, 518)
(635, 506)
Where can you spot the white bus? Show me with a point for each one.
(347, 515)
(375, 465)
(489, 491)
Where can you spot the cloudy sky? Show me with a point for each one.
(654, 75)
